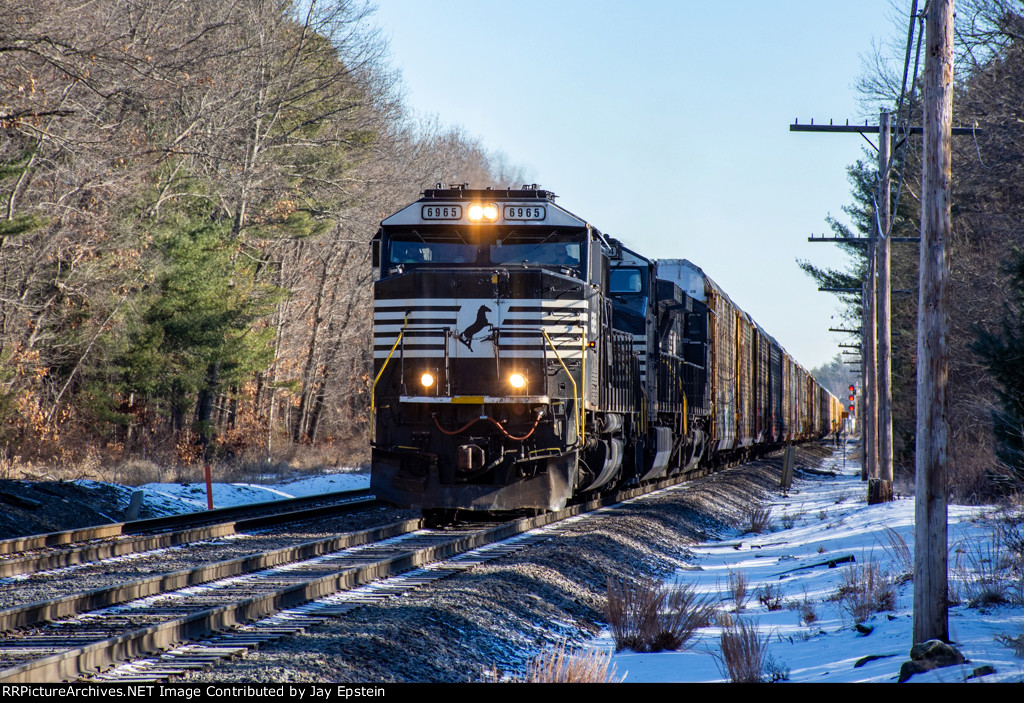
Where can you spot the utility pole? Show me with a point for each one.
(931, 617)
(876, 338)
(881, 490)
(871, 362)
(869, 406)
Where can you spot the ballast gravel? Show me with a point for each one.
(487, 623)
(32, 588)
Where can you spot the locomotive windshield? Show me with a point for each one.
(626, 280)
(557, 252)
(627, 286)
(552, 249)
(423, 252)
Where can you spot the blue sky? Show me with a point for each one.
(665, 124)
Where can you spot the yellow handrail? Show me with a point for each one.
(373, 389)
(575, 395)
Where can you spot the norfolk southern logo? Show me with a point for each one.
(466, 336)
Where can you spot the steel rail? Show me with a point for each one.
(88, 659)
(78, 603)
(266, 511)
(96, 552)
(97, 656)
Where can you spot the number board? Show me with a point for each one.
(442, 212)
(525, 212)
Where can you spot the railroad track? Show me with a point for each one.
(38, 553)
(82, 634)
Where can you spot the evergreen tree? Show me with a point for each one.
(1003, 355)
(201, 331)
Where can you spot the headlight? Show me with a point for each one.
(482, 212)
(427, 380)
(517, 380)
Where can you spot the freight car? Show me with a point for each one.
(522, 357)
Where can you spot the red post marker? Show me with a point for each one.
(209, 488)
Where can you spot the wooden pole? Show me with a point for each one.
(884, 305)
(880, 483)
(931, 619)
(865, 381)
(870, 325)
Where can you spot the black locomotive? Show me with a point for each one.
(521, 357)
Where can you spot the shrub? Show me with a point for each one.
(770, 597)
(866, 590)
(980, 570)
(558, 666)
(738, 588)
(899, 554)
(744, 653)
(774, 671)
(806, 609)
(1010, 527)
(756, 519)
(1016, 643)
(807, 612)
(650, 617)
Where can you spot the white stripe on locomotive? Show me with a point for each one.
(470, 323)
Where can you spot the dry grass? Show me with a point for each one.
(12, 467)
(648, 616)
(738, 588)
(805, 607)
(744, 652)
(984, 582)
(756, 519)
(866, 590)
(559, 666)
(990, 571)
(770, 597)
(1014, 642)
(181, 461)
(899, 553)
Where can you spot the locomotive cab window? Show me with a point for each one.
(628, 287)
(563, 251)
(626, 280)
(417, 251)
(553, 250)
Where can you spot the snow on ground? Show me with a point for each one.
(830, 519)
(175, 498)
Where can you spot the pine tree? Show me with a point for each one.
(202, 329)
(1003, 355)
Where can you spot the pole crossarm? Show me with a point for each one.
(840, 290)
(839, 329)
(866, 128)
(859, 240)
